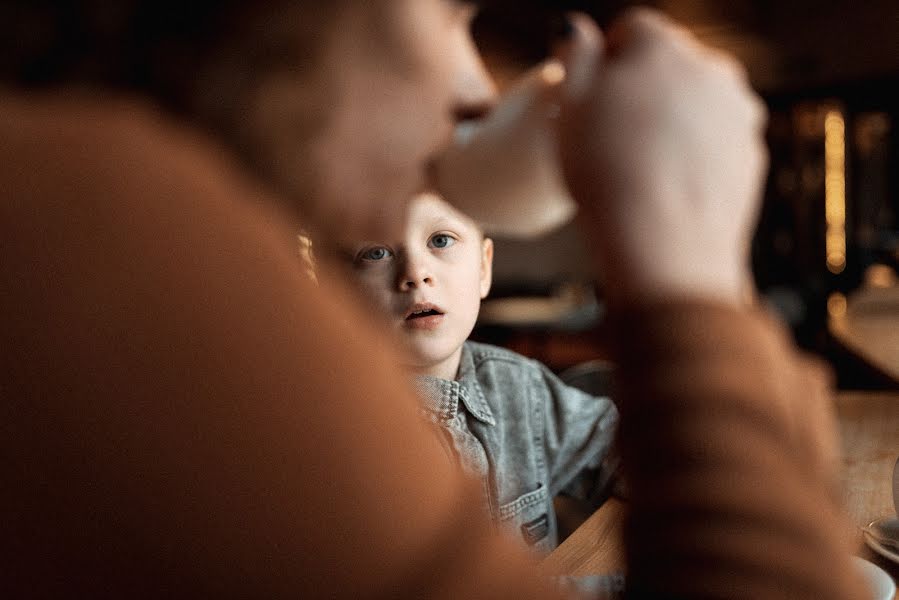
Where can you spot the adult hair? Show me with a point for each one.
(164, 49)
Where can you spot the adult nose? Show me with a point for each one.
(414, 273)
(475, 91)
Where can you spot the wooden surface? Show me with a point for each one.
(594, 549)
(869, 426)
(868, 325)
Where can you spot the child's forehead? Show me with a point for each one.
(429, 210)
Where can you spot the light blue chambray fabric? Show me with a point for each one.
(514, 424)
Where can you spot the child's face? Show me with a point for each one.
(430, 283)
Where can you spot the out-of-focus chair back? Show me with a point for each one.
(593, 376)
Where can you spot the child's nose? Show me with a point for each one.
(411, 283)
(415, 274)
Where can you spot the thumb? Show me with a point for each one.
(581, 55)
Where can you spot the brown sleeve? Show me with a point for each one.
(728, 446)
(185, 415)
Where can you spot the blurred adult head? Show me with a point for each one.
(337, 105)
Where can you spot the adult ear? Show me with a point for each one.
(486, 266)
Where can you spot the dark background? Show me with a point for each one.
(805, 58)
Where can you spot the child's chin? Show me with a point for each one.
(422, 355)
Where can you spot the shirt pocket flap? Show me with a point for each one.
(530, 517)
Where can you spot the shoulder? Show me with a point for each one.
(119, 150)
(502, 373)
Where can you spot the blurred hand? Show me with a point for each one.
(661, 144)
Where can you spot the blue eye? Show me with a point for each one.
(375, 254)
(442, 240)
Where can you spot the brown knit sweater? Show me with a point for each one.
(184, 414)
(730, 450)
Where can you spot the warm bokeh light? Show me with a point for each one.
(880, 276)
(835, 190)
(836, 306)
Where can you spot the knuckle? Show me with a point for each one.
(734, 65)
(644, 16)
(641, 26)
(728, 65)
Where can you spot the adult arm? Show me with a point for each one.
(727, 442)
(183, 413)
(727, 445)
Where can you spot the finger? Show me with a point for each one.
(553, 75)
(582, 55)
(640, 28)
(634, 27)
(538, 89)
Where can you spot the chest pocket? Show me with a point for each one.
(530, 518)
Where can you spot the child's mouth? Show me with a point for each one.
(423, 316)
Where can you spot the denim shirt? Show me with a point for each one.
(526, 435)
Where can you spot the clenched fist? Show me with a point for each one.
(661, 141)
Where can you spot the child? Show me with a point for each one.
(509, 419)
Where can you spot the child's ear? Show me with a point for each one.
(486, 266)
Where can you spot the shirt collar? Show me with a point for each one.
(442, 397)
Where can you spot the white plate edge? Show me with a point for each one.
(882, 575)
